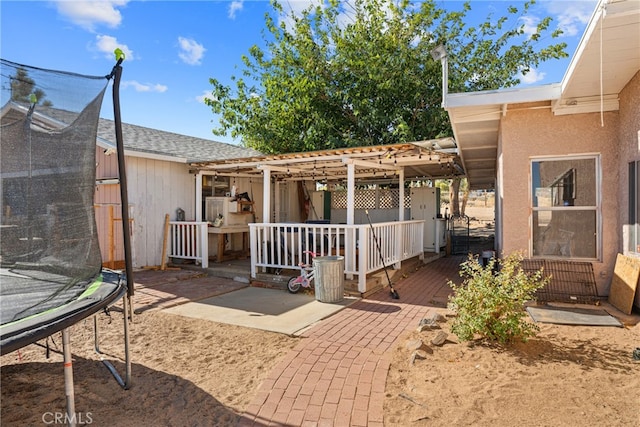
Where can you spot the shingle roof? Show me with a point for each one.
(144, 140)
(153, 141)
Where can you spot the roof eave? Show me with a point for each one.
(548, 92)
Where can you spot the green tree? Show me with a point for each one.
(23, 86)
(351, 74)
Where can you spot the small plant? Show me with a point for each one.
(490, 301)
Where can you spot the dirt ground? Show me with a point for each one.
(191, 372)
(566, 376)
(187, 372)
(199, 373)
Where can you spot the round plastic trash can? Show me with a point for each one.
(329, 277)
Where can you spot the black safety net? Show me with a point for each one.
(49, 250)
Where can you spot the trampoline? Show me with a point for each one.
(51, 274)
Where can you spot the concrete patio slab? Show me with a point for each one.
(267, 309)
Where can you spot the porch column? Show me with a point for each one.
(399, 237)
(266, 194)
(277, 201)
(351, 198)
(401, 194)
(351, 203)
(199, 197)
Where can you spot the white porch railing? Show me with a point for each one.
(189, 240)
(282, 245)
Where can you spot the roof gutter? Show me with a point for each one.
(500, 97)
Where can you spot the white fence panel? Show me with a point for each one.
(285, 246)
(189, 240)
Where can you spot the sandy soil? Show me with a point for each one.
(199, 373)
(186, 372)
(566, 376)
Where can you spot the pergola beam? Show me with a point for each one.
(421, 160)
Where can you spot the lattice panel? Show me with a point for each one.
(365, 199)
(388, 198)
(370, 199)
(339, 200)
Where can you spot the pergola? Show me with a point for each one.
(429, 159)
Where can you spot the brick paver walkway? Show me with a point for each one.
(336, 375)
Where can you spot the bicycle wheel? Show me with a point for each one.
(293, 285)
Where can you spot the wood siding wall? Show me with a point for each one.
(155, 188)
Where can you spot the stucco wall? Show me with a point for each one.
(629, 142)
(629, 150)
(526, 133)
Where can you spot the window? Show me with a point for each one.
(566, 207)
(213, 185)
(633, 239)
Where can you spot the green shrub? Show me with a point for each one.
(490, 301)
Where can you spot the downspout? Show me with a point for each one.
(602, 15)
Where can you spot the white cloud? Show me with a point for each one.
(571, 16)
(140, 87)
(533, 76)
(206, 94)
(530, 25)
(191, 52)
(89, 14)
(107, 44)
(296, 8)
(235, 6)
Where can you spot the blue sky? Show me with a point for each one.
(173, 47)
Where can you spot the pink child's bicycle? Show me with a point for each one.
(307, 273)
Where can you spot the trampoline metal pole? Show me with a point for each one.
(126, 382)
(124, 198)
(128, 303)
(68, 378)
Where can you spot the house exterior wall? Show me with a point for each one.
(107, 210)
(629, 142)
(154, 188)
(527, 133)
(629, 151)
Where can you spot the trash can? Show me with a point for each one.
(329, 278)
(486, 257)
